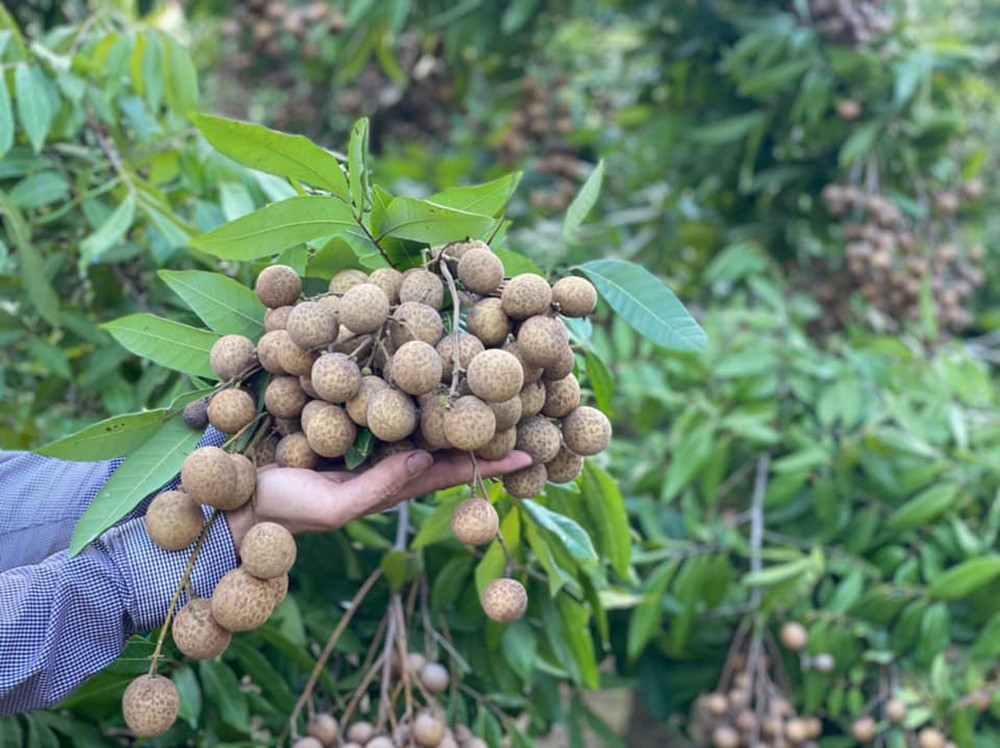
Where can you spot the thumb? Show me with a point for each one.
(375, 488)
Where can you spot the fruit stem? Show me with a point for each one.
(506, 554)
(256, 419)
(456, 321)
(180, 588)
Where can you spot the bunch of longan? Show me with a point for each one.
(850, 22)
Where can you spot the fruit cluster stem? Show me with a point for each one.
(455, 323)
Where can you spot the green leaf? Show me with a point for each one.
(222, 689)
(182, 79)
(357, 154)
(646, 304)
(109, 233)
(962, 580)
(777, 574)
(153, 58)
(51, 357)
(190, 693)
(606, 508)
(224, 304)
(515, 264)
(33, 107)
(292, 156)
(437, 527)
(423, 221)
(6, 118)
(729, 130)
(165, 342)
(107, 439)
(645, 621)
(277, 227)
(147, 469)
(860, 143)
(43, 188)
(583, 203)
(573, 537)
(450, 581)
(601, 382)
(520, 644)
(923, 507)
(576, 626)
(492, 564)
(40, 291)
(487, 199)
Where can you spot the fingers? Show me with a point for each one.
(382, 483)
(455, 468)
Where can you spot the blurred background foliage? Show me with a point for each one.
(813, 176)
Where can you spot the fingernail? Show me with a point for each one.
(418, 462)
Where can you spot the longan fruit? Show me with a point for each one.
(357, 406)
(307, 742)
(415, 321)
(293, 359)
(531, 373)
(526, 295)
(150, 705)
(562, 368)
(532, 397)
(432, 415)
(488, 322)
(475, 522)
(725, 736)
(453, 253)
(380, 741)
(716, 704)
(796, 730)
(196, 414)
(416, 367)
(324, 727)
(232, 355)
(746, 720)
(307, 387)
(279, 588)
(864, 730)
(345, 280)
(424, 287)
(586, 431)
(208, 476)
(505, 600)
(312, 324)
(434, 677)
(361, 732)
(895, 711)
(562, 397)
(930, 737)
(294, 451)
(336, 377)
(501, 445)
(364, 308)
(542, 341)
(507, 412)
(539, 437)
(469, 424)
(308, 411)
(495, 375)
(427, 730)
(793, 636)
(269, 349)
(575, 297)
(564, 467)
(331, 432)
(469, 346)
(196, 633)
(392, 415)
(526, 483)
(264, 451)
(480, 271)
(241, 601)
(389, 280)
(284, 397)
(277, 319)
(824, 663)
(277, 286)
(173, 520)
(268, 550)
(231, 410)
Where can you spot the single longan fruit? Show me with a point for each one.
(526, 483)
(824, 662)
(930, 737)
(364, 308)
(432, 415)
(542, 341)
(307, 387)
(539, 437)
(526, 295)
(277, 319)
(380, 741)
(307, 742)
(507, 412)
(469, 424)
(480, 270)
(725, 736)
(336, 377)
(564, 467)
(324, 727)
(284, 397)
(294, 451)
(532, 398)
(562, 397)
(196, 633)
(424, 287)
(278, 285)
(231, 410)
(416, 367)
(264, 451)
(716, 704)
(173, 520)
(469, 346)
(505, 600)
(475, 522)
(269, 350)
(389, 280)
(331, 432)
(279, 588)
(150, 705)
(345, 280)
(495, 375)
(232, 355)
(794, 636)
(427, 730)
(357, 406)
(531, 373)
(392, 415)
(895, 711)
(361, 732)
(312, 324)
(575, 297)
(488, 322)
(586, 431)
(415, 321)
(196, 414)
(561, 368)
(746, 720)
(268, 550)
(864, 730)
(796, 730)
(501, 445)
(241, 601)
(246, 481)
(208, 476)
(434, 677)
(286, 426)
(293, 359)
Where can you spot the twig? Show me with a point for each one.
(360, 690)
(756, 667)
(455, 323)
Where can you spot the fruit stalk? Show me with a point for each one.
(456, 318)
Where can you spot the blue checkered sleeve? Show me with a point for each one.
(64, 619)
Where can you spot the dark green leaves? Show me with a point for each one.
(606, 509)
(104, 440)
(109, 233)
(165, 342)
(424, 221)
(357, 153)
(923, 507)
(33, 108)
(583, 202)
(573, 537)
(225, 305)
(6, 118)
(487, 199)
(962, 580)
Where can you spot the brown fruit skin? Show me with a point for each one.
(864, 730)
(268, 550)
(284, 397)
(501, 445)
(415, 321)
(475, 522)
(324, 727)
(312, 324)
(930, 737)
(336, 377)
(480, 271)
(434, 677)
(562, 397)
(263, 453)
(427, 730)
(294, 451)
(532, 398)
(232, 355)
(526, 483)
(432, 415)
(389, 280)
(794, 636)
(488, 322)
(575, 297)
(526, 295)
(293, 359)
(495, 375)
(231, 410)
(424, 287)
(364, 308)
(269, 351)
(307, 742)
(561, 368)
(564, 467)
(392, 416)
(539, 437)
(531, 373)
(196, 414)
(507, 412)
(246, 481)
(331, 432)
(310, 409)
(469, 424)
(895, 711)
(279, 589)
(586, 431)
(796, 730)
(241, 602)
(416, 367)
(196, 633)
(360, 732)
(357, 406)
(277, 319)
(150, 705)
(505, 600)
(209, 476)
(542, 341)
(469, 346)
(278, 285)
(725, 736)
(345, 280)
(173, 520)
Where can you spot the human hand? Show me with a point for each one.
(311, 501)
